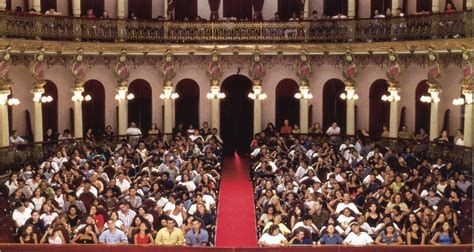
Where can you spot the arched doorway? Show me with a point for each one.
(48, 4)
(424, 5)
(96, 5)
(334, 7)
(334, 108)
(422, 109)
(93, 111)
(236, 114)
(142, 9)
(50, 109)
(380, 5)
(139, 109)
(187, 105)
(286, 105)
(379, 111)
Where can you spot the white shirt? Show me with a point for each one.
(359, 240)
(123, 185)
(133, 131)
(271, 239)
(92, 189)
(48, 218)
(341, 206)
(333, 131)
(20, 217)
(15, 140)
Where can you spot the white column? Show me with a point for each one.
(435, 6)
(351, 9)
(395, 5)
(257, 116)
(304, 116)
(350, 117)
(468, 123)
(165, 9)
(78, 130)
(123, 116)
(434, 129)
(306, 9)
(469, 5)
(168, 117)
(215, 114)
(393, 114)
(76, 8)
(121, 9)
(3, 5)
(4, 130)
(38, 122)
(37, 5)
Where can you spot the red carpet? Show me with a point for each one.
(236, 213)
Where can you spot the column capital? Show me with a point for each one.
(394, 90)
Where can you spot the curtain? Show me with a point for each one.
(236, 114)
(48, 4)
(422, 110)
(379, 111)
(286, 8)
(28, 127)
(139, 109)
(96, 5)
(333, 7)
(142, 9)
(93, 111)
(186, 9)
(240, 9)
(187, 105)
(423, 5)
(380, 5)
(50, 109)
(403, 120)
(214, 6)
(9, 5)
(447, 112)
(257, 8)
(287, 106)
(334, 108)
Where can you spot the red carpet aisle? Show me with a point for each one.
(236, 213)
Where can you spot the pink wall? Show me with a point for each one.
(411, 76)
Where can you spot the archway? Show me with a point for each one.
(236, 114)
(142, 9)
(50, 109)
(139, 109)
(93, 111)
(187, 105)
(334, 108)
(96, 5)
(286, 105)
(379, 111)
(380, 5)
(334, 7)
(422, 109)
(48, 4)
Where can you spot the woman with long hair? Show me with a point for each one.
(28, 236)
(85, 236)
(415, 235)
(445, 236)
(143, 236)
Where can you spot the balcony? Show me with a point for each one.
(421, 27)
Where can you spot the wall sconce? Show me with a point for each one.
(349, 95)
(257, 94)
(215, 94)
(78, 97)
(432, 98)
(39, 97)
(122, 95)
(168, 94)
(391, 97)
(9, 102)
(304, 94)
(461, 101)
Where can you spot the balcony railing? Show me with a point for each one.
(419, 27)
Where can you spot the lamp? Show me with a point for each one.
(432, 98)
(168, 94)
(122, 95)
(393, 96)
(215, 93)
(349, 94)
(257, 94)
(38, 97)
(4, 100)
(304, 93)
(461, 101)
(78, 97)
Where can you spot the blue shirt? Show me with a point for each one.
(196, 240)
(113, 238)
(335, 239)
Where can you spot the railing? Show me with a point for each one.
(417, 27)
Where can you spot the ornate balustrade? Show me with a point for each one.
(419, 27)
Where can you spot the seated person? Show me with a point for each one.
(272, 238)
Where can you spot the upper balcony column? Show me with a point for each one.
(395, 4)
(76, 8)
(121, 9)
(3, 5)
(37, 5)
(351, 9)
(306, 9)
(435, 6)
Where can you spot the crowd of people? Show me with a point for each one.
(323, 189)
(159, 190)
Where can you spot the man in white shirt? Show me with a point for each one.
(347, 204)
(15, 139)
(123, 183)
(21, 214)
(334, 130)
(358, 238)
(133, 134)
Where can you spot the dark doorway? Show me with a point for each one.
(422, 109)
(96, 5)
(286, 105)
(424, 5)
(142, 9)
(236, 114)
(139, 109)
(334, 7)
(47, 5)
(187, 105)
(93, 111)
(381, 6)
(50, 109)
(379, 111)
(334, 108)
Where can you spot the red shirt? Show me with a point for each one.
(286, 129)
(142, 240)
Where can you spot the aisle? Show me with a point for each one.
(236, 213)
